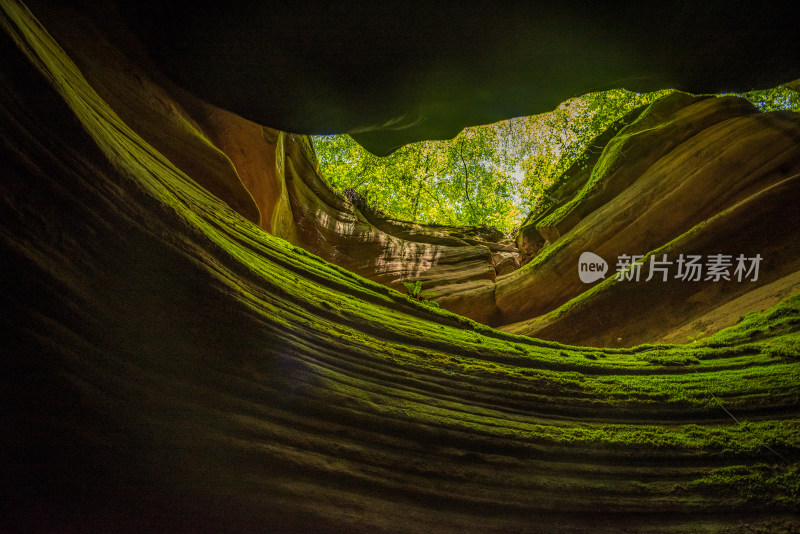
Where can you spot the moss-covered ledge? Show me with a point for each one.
(171, 366)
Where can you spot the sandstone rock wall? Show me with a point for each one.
(169, 366)
(687, 161)
(679, 163)
(271, 177)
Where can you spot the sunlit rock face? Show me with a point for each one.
(374, 246)
(692, 176)
(680, 162)
(271, 177)
(689, 175)
(170, 366)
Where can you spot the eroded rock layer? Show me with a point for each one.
(691, 176)
(675, 165)
(271, 177)
(169, 366)
(395, 73)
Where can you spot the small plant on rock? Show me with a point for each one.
(415, 292)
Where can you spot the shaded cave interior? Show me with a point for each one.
(203, 336)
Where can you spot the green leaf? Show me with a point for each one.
(409, 287)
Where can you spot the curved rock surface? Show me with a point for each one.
(395, 73)
(169, 366)
(271, 177)
(692, 176)
(674, 165)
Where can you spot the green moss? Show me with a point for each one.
(763, 483)
(613, 155)
(369, 356)
(784, 318)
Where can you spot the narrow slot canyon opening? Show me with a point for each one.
(216, 320)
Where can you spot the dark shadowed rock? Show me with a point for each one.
(171, 366)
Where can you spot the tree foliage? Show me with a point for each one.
(491, 174)
(781, 97)
(456, 182)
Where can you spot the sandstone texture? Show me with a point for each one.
(675, 165)
(188, 344)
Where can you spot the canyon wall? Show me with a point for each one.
(170, 366)
(658, 182)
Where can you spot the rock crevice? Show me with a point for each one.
(169, 366)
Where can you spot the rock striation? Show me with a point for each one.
(170, 366)
(691, 175)
(673, 166)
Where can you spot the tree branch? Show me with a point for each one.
(466, 172)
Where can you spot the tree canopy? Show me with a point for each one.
(490, 174)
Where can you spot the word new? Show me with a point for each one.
(591, 267)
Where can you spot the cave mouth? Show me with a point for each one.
(176, 360)
(627, 183)
(487, 175)
(494, 174)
